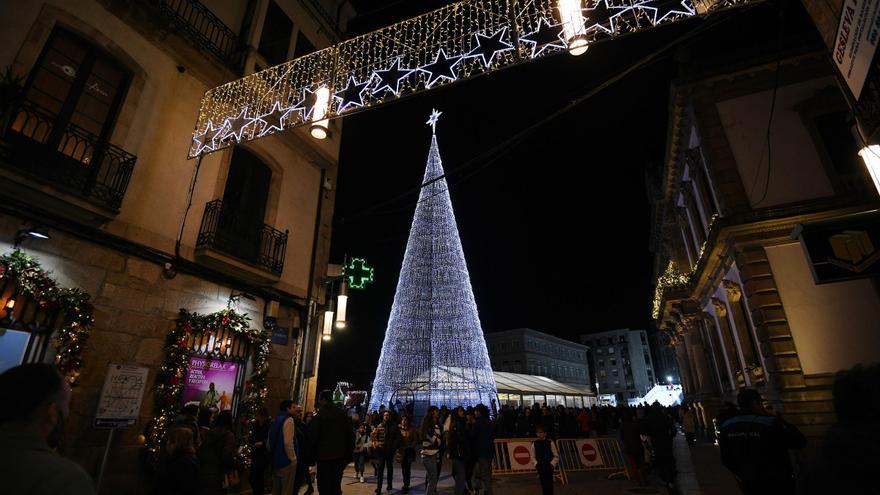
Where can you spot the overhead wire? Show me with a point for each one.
(768, 139)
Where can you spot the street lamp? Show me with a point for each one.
(320, 124)
(341, 306)
(328, 325)
(870, 153)
(573, 26)
(669, 379)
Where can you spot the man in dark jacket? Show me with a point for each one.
(754, 446)
(332, 439)
(484, 448)
(35, 405)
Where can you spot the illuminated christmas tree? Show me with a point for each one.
(434, 351)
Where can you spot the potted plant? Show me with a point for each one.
(11, 91)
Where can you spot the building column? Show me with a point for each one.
(733, 360)
(698, 354)
(722, 372)
(753, 371)
(681, 356)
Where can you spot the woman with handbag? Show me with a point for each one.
(430, 435)
(407, 450)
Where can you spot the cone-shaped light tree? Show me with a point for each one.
(434, 352)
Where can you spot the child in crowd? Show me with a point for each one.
(546, 459)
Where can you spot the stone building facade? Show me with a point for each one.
(93, 152)
(736, 292)
(621, 362)
(531, 352)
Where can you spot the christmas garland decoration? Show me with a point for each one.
(169, 382)
(33, 281)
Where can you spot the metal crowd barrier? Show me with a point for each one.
(516, 456)
(592, 454)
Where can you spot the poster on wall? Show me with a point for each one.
(210, 383)
(13, 344)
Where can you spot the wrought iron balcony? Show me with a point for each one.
(230, 232)
(67, 156)
(205, 29)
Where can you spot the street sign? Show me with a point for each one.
(121, 397)
(589, 454)
(856, 42)
(521, 455)
(280, 335)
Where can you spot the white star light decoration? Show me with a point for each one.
(206, 139)
(545, 36)
(432, 120)
(392, 75)
(274, 120)
(488, 46)
(365, 77)
(663, 9)
(441, 68)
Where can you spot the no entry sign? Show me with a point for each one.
(521, 455)
(589, 453)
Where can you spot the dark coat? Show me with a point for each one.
(484, 438)
(755, 449)
(216, 458)
(460, 445)
(179, 474)
(330, 434)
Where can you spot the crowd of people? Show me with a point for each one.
(199, 452)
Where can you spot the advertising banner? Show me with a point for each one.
(522, 455)
(210, 383)
(588, 453)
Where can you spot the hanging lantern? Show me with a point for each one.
(871, 155)
(328, 325)
(573, 26)
(341, 306)
(320, 123)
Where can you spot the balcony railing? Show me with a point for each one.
(205, 29)
(67, 156)
(228, 231)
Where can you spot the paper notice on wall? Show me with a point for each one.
(856, 42)
(121, 396)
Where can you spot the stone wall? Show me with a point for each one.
(135, 308)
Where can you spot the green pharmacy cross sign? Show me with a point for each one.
(358, 273)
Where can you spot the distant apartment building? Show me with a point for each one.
(524, 350)
(620, 360)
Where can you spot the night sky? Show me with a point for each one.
(555, 227)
